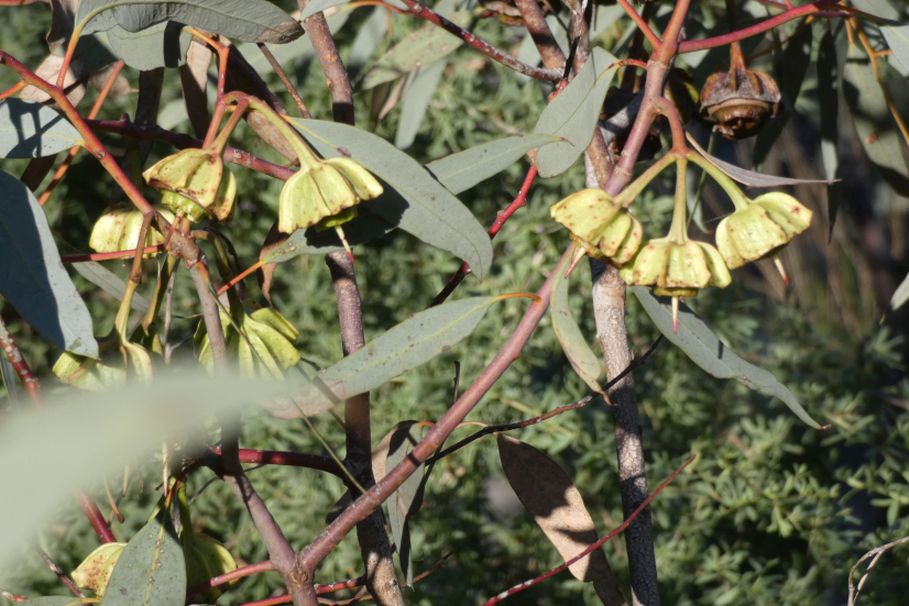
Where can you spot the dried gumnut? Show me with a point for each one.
(739, 100)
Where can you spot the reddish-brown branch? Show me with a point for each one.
(233, 575)
(516, 589)
(641, 23)
(501, 218)
(292, 459)
(109, 256)
(819, 8)
(368, 502)
(419, 10)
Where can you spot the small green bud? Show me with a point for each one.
(767, 223)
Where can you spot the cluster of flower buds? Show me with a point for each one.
(119, 229)
(263, 343)
(675, 265)
(192, 183)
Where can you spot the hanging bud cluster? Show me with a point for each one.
(675, 265)
(262, 342)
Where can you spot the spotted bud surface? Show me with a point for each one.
(765, 224)
(324, 190)
(194, 183)
(604, 228)
(95, 570)
(118, 229)
(677, 269)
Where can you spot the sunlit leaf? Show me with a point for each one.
(556, 504)
(408, 345)
(705, 349)
(32, 276)
(244, 20)
(464, 169)
(151, 570)
(581, 357)
(32, 130)
(573, 114)
(900, 295)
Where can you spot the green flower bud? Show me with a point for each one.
(95, 570)
(324, 190)
(118, 229)
(765, 224)
(193, 183)
(677, 269)
(205, 558)
(264, 347)
(604, 228)
(87, 373)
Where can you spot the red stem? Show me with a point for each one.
(641, 23)
(516, 589)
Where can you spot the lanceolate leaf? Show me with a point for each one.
(573, 114)
(751, 178)
(706, 350)
(421, 47)
(896, 34)
(876, 130)
(900, 295)
(243, 20)
(31, 130)
(405, 501)
(462, 170)
(32, 276)
(558, 508)
(421, 207)
(161, 45)
(317, 6)
(408, 345)
(151, 570)
(582, 359)
(416, 100)
(109, 282)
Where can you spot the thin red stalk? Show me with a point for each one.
(818, 8)
(501, 218)
(108, 256)
(96, 519)
(292, 459)
(369, 501)
(233, 575)
(319, 589)
(516, 589)
(422, 12)
(641, 23)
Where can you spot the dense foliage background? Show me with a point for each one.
(772, 512)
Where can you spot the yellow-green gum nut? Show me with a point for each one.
(223, 205)
(139, 361)
(748, 234)
(195, 174)
(787, 212)
(620, 238)
(584, 213)
(719, 273)
(271, 317)
(118, 229)
(309, 196)
(270, 341)
(364, 184)
(345, 216)
(86, 373)
(180, 204)
(687, 267)
(205, 558)
(649, 265)
(95, 570)
(630, 245)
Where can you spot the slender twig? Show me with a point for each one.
(423, 12)
(17, 361)
(874, 555)
(516, 589)
(61, 574)
(501, 218)
(293, 459)
(233, 575)
(291, 89)
(642, 24)
(818, 8)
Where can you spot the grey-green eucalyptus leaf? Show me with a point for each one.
(416, 101)
(242, 20)
(32, 130)
(581, 357)
(151, 571)
(402, 440)
(408, 345)
(573, 114)
(161, 45)
(705, 349)
(32, 276)
(462, 170)
(413, 200)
